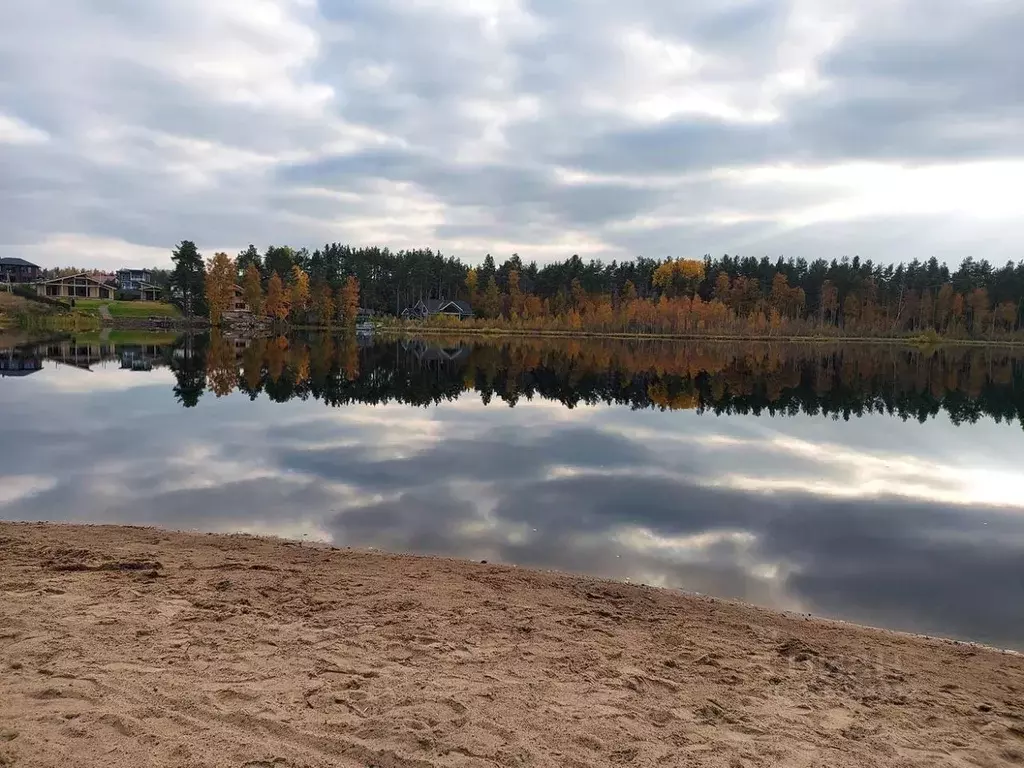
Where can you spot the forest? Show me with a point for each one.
(724, 296)
(779, 379)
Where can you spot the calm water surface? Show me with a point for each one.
(879, 485)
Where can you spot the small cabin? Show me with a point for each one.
(80, 286)
(425, 308)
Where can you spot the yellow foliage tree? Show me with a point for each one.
(348, 301)
(220, 286)
(298, 291)
(472, 286)
(252, 290)
(325, 305)
(275, 306)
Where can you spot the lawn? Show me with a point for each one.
(129, 308)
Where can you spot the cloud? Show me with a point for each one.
(796, 127)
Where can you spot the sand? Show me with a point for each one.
(140, 647)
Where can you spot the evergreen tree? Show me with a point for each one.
(188, 279)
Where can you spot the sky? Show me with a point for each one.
(889, 129)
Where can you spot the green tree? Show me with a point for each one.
(279, 259)
(188, 279)
(249, 257)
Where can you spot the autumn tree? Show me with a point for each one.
(324, 302)
(515, 295)
(252, 290)
(980, 306)
(220, 286)
(276, 305)
(490, 303)
(298, 292)
(471, 286)
(348, 301)
(677, 277)
(628, 293)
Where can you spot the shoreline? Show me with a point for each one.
(126, 646)
(909, 341)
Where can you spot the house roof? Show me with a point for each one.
(77, 274)
(11, 261)
(438, 305)
(462, 305)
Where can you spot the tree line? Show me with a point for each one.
(210, 288)
(838, 381)
(727, 294)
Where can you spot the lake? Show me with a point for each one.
(878, 484)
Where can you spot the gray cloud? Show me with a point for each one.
(546, 127)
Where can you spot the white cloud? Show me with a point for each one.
(15, 131)
(535, 126)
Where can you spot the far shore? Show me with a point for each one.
(427, 329)
(126, 646)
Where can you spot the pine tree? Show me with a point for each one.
(188, 279)
(250, 257)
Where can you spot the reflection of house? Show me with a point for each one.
(432, 353)
(141, 357)
(78, 354)
(16, 362)
(425, 308)
(80, 286)
(18, 271)
(134, 279)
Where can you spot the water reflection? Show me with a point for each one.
(611, 461)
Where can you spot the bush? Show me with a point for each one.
(29, 293)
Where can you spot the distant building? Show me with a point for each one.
(134, 279)
(425, 308)
(80, 286)
(238, 311)
(149, 292)
(18, 271)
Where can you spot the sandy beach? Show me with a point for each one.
(141, 647)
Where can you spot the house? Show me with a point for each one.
(149, 292)
(425, 308)
(238, 302)
(14, 270)
(238, 311)
(134, 279)
(80, 286)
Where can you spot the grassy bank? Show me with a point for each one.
(42, 316)
(135, 309)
